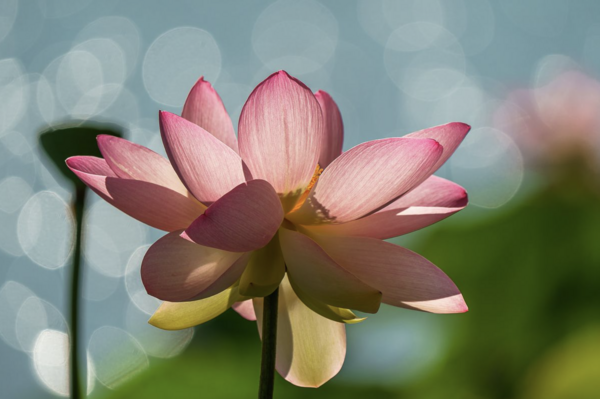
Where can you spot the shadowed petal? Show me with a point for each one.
(245, 309)
(405, 278)
(280, 133)
(180, 315)
(333, 137)
(208, 167)
(367, 177)
(204, 107)
(264, 271)
(315, 273)
(244, 219)
(339, 315)
(155, 205)
(310, 348)
(449, 136)
(175, 269)
(132, 161)
(433, 200)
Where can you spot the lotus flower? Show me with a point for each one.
(282, 206)
(555, 123)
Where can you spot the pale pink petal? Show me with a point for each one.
(244, 219)
(88, 165)
(405, 278)
(245, 309)
(310, 348)
(208, 167)
(133, 161)
(155, 205)
(318, 275)
(449, 136)
(367, 177)
(205, 108)
(333, 138)
(175, 269)
(433, 200)
(280, 133)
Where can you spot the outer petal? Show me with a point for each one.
(319, 276)
(449, 136)
(367, 177)
(264, 271)
(406, 279)
(133, 161)
(280, 133)
(208, 167)
(175, 269)
(340, 315)
(180, 315)
(205, 108)
(244, 219)
(433, 200)
(333, 138)
(310, 348)
(245, 309)
(155, 205)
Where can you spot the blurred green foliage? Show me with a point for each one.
(532, 280)
(531, 276)
(223, 363)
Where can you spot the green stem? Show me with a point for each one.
(269, 343)
(76, 279)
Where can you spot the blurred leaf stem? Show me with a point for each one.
(59, 143)
(76, 279)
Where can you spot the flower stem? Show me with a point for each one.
(269, 343)
(76, 391)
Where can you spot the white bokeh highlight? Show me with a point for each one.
(117, 356)
(176, 60)
(109, 238)
(46, 230)
(299, 37)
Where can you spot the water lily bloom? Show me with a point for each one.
(282, 206)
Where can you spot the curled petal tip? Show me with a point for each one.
(462, 306)
(201, 82)
(465, 126)
(69, 161)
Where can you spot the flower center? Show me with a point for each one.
(313, 181)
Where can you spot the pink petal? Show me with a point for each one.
(280, 133)
(318, 275)
(133, 161)
(155, 205)
(245, 309)
(367, 177)
(405, 278)
(449, 136)
(205, 108)
(433, 200)
(244, 219)
(175, 269)
(333, 139)
(208, 167)
(310, 348)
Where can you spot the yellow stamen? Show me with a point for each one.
(313, 181)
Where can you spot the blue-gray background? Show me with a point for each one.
(392, 66)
